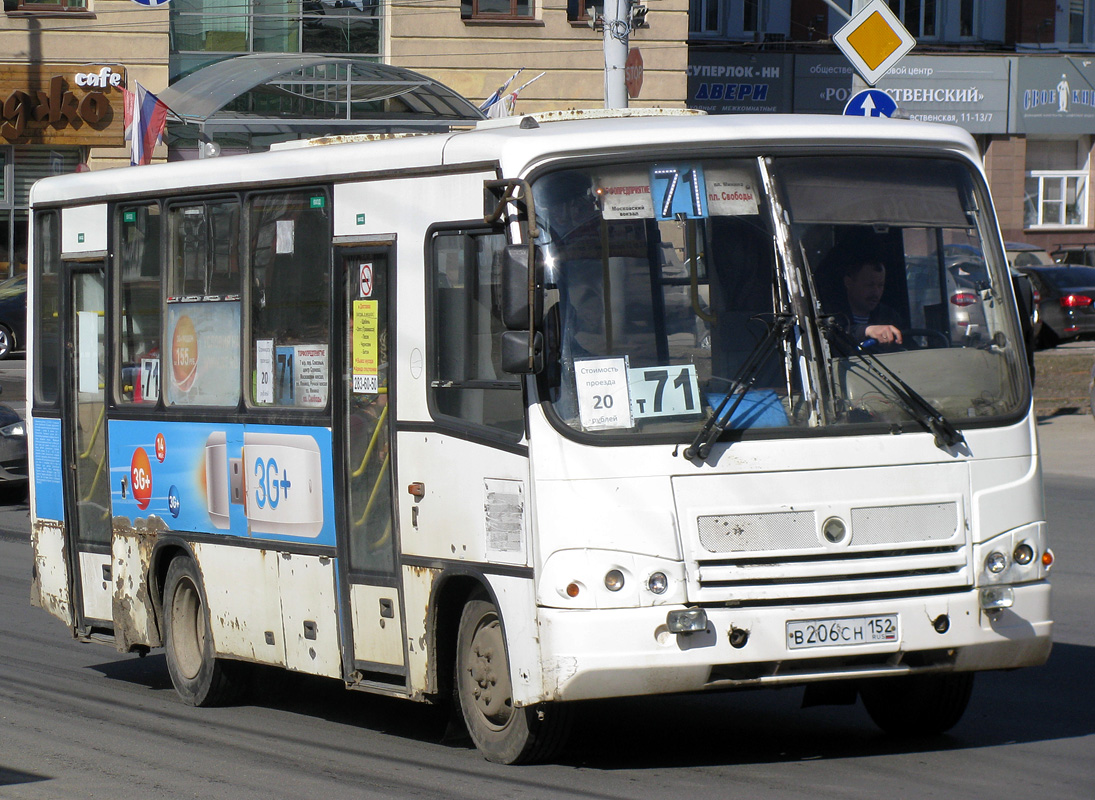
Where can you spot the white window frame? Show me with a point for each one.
(1060, 177)
(702, 8)
(898, 7)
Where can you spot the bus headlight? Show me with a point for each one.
(614, 580)
(657, 583)
(996, 562)
(1023, 554)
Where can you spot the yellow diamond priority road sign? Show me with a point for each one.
(874, 40)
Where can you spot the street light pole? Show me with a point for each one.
(617, 29)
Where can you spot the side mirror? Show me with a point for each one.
(516, 358)
(517, 315)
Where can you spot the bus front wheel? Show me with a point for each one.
(918, 705)
(502, 732)
(199, 678)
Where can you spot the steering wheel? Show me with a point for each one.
(943, 339)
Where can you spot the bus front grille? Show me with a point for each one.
(793, 556)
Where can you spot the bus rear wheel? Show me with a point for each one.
(918, 705)
(502, 732)
(199, 678)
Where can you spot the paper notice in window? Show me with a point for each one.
(730, 193)
(604, 401)
(625, 196)
(286, 235)
(365, 348)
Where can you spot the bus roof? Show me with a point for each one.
(515, 147)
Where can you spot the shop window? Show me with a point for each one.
(467, 382)
(139, 301)
(1056, 183)
(496, 9)
(290, 298)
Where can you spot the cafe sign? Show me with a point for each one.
(61, 105)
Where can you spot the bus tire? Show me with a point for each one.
(503, 733)
(199, 678)
(918, 705)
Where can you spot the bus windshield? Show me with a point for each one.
(780, 294)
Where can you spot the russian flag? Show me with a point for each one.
(145, 120)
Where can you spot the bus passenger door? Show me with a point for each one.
(84, 432)
(375, 613)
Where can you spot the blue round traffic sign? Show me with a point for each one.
(870, 103)
(152, 3)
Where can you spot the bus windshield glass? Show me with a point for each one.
(777, 294)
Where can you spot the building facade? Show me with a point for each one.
(475, 45)
(63, 64)
(1019, 76)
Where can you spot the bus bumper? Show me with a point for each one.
(591, 654)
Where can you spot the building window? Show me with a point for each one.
(1056, 182)
(750, 15)
(582, 10)
(1056, 199)
(1076, 22)
(966, 18)
(231, 27)
(705, 17)
(52, 5)
(918, 16)
(496, 9)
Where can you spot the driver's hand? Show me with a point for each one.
(884, 334)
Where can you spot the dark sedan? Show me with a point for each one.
(1068, 301)
(13, 314)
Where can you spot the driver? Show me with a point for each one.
(869, 318)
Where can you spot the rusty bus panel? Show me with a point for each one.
(49, 589)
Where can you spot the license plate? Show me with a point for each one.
(804, 633)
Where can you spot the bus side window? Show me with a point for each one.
(468, 383)
(290, 298)
(47, 259)
(139, 301)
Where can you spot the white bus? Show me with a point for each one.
(544, 411)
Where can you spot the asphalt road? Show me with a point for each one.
(82, 721)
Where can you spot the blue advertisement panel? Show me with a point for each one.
(258, 481)
(49, 501)
(732, 83)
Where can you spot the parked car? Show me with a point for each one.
(1083, 254)
(1021, 254)
(1068, 301)
(13, 455)
(13, 314)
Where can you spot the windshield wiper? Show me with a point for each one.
(946, 435)
(747, 375)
